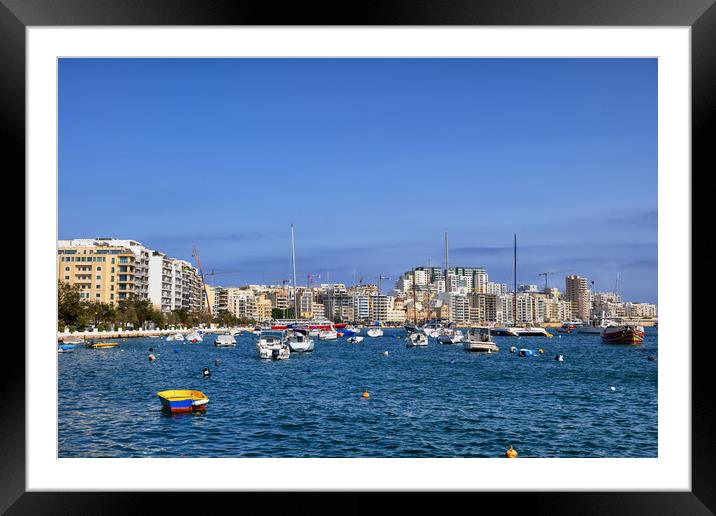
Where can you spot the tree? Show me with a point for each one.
(280, 313)
(70, 309)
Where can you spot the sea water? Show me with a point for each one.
(437, 401)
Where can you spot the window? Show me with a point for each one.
(67, 268)
(99, 277)
(112, 261)
(67, 277)
(98, 287)
(99, 268)
(97, 296)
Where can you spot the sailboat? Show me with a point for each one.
(296, 340)
(522, 331)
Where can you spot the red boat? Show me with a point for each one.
(566, 328)
(623, 334)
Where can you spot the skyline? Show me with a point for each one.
(225, 154)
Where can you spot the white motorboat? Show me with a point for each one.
(375, 332)
(330, 334)
(299, 342)
(353, 329)
(314, 332)
(225, 340)
(355, 339)
(417, 339)
(176, 336)
(194, 337)
(433, 329)
(450, 336)
(271, 344)
(479, 339)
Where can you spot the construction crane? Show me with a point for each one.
(545, 274)
(380, 277)
(195, 255)
(212, 273)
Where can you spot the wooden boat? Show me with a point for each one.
(104, 345)
(623, 334)
(177, 401)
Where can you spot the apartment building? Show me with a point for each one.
(102, 273)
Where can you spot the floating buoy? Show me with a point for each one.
(513, 349)
(612, 388)
(176, 350)
(385, 353)
(217, 362)
(152, 358)
(651, 358)
(365, 394)
(559, 358)
(511, 453)
(151, 349)
(541, 350)
(206, 372)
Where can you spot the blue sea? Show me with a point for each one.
(438, 401)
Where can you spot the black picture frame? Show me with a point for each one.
(17, 15)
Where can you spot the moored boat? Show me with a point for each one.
(375, 332)
(503, 332)
(417, 339)
(623, 334)
(450, 336)
(355, 339)
(272, 345)
(183, 400)
(194, 337)
(225, 340)
(479, 339)
(532, 331)
(299, 342)
(104, 345)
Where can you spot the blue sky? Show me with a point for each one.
(372, 160)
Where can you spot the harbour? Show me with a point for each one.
(433, 401)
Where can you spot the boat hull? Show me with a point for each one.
(623, 335)
(182, 401)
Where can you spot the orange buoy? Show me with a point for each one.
(365, 394)
(511, 453)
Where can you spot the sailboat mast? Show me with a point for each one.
(415, 301)
(447, 288)
(514, 289)
(293, 266)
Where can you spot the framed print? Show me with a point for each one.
(418, 248)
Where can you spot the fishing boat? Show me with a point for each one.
(104, 345)
(375, 332)
(299, 342)
(178, 401)
(225, 340)
(417, 339)
(479, 339)
(355, 339)
(271, 344)
(450, 336)
(623, 334)
(566, 328)
(194, 337)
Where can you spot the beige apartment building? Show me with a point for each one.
(103, 273)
